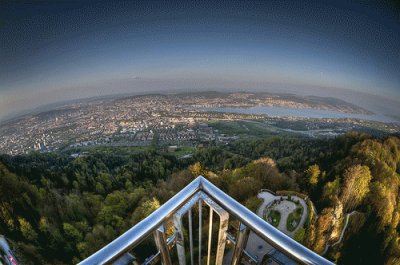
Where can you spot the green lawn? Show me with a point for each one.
(184, 150)
(228, 127)
(275, 217)
(244, 128)
(294, 216)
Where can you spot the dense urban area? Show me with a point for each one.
(173, 120)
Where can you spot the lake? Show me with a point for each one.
(304, 113)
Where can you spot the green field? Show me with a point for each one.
(184, 150)
(253, 128)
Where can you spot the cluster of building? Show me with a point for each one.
(137, 121)
(132, 121)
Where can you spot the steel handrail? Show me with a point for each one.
(140, 231)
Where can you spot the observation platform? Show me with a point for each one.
(202, 225)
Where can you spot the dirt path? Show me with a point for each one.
(341, 234)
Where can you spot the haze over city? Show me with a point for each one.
(56, 51)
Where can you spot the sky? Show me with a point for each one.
(62, 50)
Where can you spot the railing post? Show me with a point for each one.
(223, 227)
(210, 224)
(180, 241)
(180, 244)
(241, 242)
(161, 243)
(200, 227)
(191, 237)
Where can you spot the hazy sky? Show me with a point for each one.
(54, 51)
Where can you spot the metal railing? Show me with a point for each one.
(201, 193)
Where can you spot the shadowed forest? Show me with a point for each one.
(57, 209)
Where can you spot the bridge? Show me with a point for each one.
(203, 225)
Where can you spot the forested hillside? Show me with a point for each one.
(58, 209)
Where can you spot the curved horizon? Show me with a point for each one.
(52, 52)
